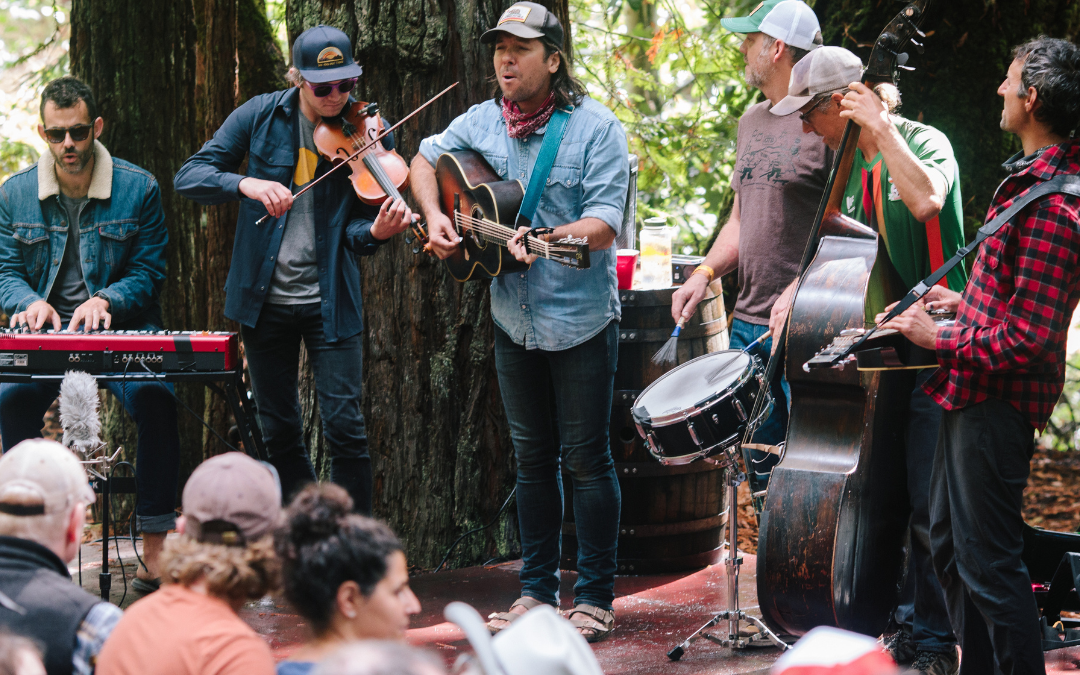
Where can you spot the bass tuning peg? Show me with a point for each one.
(918, 46)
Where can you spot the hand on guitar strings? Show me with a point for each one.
(914, 324)
(518, 249)
(442, 238)
(394, 217)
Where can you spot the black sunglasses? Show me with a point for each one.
(79, 132)
(321, 90)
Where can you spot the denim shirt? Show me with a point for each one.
(265, 129)
(550, 306)
(122, 238)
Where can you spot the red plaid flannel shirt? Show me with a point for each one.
(1009, 339)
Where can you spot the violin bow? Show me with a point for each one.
(366, 146)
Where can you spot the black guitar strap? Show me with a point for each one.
(1067, 184)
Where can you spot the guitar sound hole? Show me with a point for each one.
(478, 216)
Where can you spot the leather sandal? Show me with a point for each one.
(600, 622)
(511, 616)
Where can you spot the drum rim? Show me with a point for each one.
(697, 408)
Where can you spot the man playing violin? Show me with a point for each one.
(556, 336)
(1002, 368)
(295, 277)
(905, 184)
(82, 246)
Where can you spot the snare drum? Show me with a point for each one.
(701, 409)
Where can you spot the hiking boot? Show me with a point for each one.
(900, 647)
(935, 663)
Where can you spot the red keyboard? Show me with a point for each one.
(118, 352)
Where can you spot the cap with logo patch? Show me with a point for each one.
(324, 54)
(789, 20)
(527, 20)
(39, 477)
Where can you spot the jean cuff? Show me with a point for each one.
(935, 646)
(155, 524)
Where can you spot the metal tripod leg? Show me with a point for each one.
(735, 638)
(246, 424)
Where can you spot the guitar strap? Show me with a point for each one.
(1067, 184)
(556, 128)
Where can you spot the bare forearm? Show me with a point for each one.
(921, 190)
(723, 257)
(424, 187)
(600, 234)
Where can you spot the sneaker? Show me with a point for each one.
(900, 647)
(935, 663)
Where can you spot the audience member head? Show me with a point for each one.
(43, 496)
(232, 504)
(380, 657)
(343, 572)
(1043, 86)
(19, 656)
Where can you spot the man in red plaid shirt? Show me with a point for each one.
(1003, 369)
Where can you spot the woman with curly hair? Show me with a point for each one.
(345, 573)
(223, 558)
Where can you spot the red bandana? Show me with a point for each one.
(520, 125)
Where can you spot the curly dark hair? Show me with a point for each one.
(66, 92)
(568, 89)
(323, 544)
(1052, 67)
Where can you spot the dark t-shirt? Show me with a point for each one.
(69, 288)
(780, 175)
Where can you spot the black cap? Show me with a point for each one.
(324, 54)
(527, 20)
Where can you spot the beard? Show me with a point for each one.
(84, 158)
(759, 69)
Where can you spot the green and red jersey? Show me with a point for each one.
(915, 249)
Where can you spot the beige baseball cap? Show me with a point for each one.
(231, 499)
(824, 70)
(41, 477)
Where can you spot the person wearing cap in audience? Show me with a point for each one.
(905, 184)
(344, 573)
(296, 277)
(43, 498)
(223, 558)
(779, 177)
(556, 329)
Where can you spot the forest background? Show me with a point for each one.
(166, 79)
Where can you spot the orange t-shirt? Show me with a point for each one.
(177, 631)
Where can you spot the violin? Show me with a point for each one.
(376, 173)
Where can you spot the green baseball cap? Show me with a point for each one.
(751, 23)
(789, 20)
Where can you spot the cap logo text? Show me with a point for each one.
(515, 13)
(331, 56)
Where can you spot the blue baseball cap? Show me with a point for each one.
(324, 54)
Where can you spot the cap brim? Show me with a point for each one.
(513, 28)
(318, 76)
(741, 24)
(470, 621)
(789, 104)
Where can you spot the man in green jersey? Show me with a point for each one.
(905, 184)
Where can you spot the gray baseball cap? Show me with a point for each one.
(527, 20)
(824, 70)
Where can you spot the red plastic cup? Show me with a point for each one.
(624, 267)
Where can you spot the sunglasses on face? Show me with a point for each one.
(322, 90)
(79, 132)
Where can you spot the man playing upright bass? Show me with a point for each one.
(556, 336)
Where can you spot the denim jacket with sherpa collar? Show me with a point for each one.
(122, 238)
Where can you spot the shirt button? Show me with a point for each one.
(523, 306)
(271, 258)
(522, 276)
(262, 288)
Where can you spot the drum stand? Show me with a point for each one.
(736, 639)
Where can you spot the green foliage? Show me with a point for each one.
(674, 78)
(14, 156)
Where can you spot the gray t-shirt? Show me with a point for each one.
(296, 272)
(780, 175)
(69, 288)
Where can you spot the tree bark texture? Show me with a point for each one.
(164, 81)
(439, 441)
(954, 86)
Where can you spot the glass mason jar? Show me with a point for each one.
(655, 247)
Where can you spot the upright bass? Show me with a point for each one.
(831, 532)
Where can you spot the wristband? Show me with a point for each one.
(706, 270)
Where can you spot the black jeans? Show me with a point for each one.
(558, 404)
(273, 355)
(976, 534)
(922, 612)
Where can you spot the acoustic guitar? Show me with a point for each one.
(483, 208)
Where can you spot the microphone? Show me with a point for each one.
(79, 413)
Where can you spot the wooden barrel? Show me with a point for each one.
(671, 516)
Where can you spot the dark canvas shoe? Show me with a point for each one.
(900, 647)
(935, 663)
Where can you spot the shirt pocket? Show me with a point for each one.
(562, 192)
(117, 238)
(34, 242)
(271, 162)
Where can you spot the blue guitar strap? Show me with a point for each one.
(556, 128)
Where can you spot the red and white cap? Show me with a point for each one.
(831, 651)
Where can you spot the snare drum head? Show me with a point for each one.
(693, 382)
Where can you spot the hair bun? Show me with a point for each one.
(316, 513)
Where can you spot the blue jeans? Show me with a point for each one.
(157, 455)
(273, 355)
(558, 404)
(922, 612)
(774, 430)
